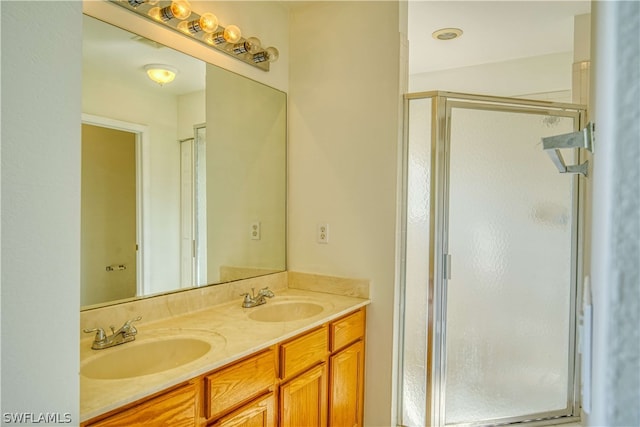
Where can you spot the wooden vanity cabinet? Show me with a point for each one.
(315, 379)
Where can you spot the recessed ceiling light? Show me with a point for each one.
(447, 33)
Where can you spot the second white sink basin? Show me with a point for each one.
(136, 359)
(285, 311)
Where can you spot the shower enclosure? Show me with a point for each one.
(491, 253)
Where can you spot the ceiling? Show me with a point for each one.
(494, 31)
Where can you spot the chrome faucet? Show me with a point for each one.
(126, 333)
(251, 300)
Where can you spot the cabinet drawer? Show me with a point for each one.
(347, 330)
(238, 383)
(175, 408)
(303, 352)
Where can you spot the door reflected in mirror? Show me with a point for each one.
(206, 180)
(108, 210)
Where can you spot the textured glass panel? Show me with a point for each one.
(508, 300)
(417, 264)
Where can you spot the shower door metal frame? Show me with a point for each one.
(442, 104)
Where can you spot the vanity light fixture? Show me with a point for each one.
(160, 73)
(136, 3)
(270, 54)
(231, 34)
(251, 45)
(177, 15)
(208, 23)
(447, 33)
(179, 9)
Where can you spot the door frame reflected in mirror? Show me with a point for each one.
(142, 141)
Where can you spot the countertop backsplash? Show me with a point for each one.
(179, 303)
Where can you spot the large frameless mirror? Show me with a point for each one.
(184, 182)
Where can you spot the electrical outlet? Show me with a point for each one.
(255, 230)
(323, 233)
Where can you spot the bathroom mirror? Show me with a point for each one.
(183, 183)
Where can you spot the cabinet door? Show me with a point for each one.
(346, 386)
(303, 400)
(175, 408)
(259, 413)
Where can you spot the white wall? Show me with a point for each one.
(534, 76)
(343, 144)
(41, 71)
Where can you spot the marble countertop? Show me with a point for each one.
(227, 327)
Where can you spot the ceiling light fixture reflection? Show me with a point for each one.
(447, 33)
(160, 73)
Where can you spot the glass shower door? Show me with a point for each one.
(510, 292)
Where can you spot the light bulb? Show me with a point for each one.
(251, 45)
(179, 9)
(232, 34)
(270, 54)
(208, 23)
(185, 27)
(155, 13)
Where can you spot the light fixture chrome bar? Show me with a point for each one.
(142, 8)
(580, 139)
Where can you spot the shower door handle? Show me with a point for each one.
(447, 266)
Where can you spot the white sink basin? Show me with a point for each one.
(285, 311)
(135, 359)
